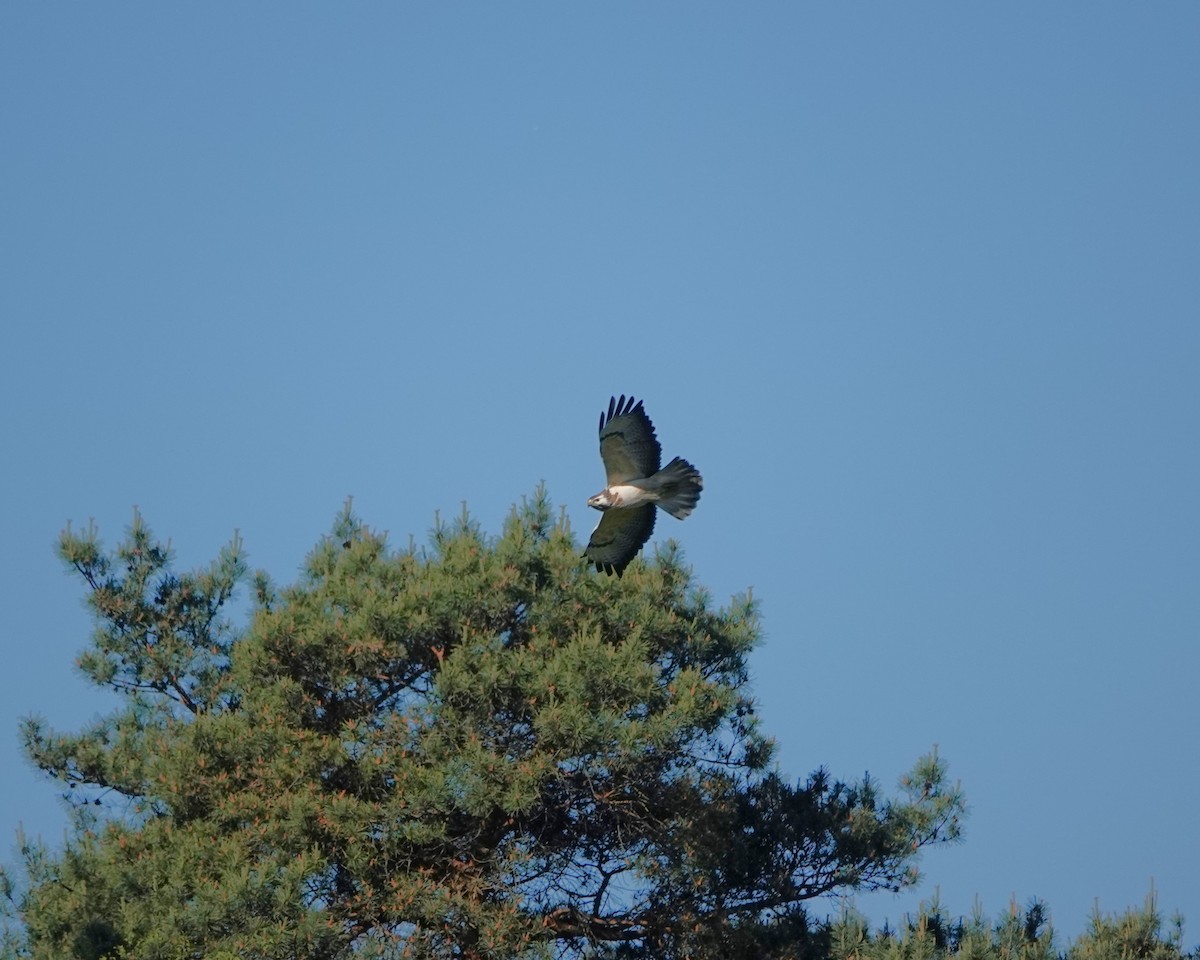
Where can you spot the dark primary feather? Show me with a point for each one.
(619, 537)
(628, 446)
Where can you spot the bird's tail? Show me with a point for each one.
(678, 485)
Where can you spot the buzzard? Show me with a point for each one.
(636, 486)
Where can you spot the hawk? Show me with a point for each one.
(636, 486)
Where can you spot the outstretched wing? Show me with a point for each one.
(619, 536)
(628, 447)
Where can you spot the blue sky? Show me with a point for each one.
(914, 285)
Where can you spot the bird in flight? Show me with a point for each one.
(636, 486)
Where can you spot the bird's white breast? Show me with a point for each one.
(626, 495)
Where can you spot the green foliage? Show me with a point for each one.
(1018, 935)
(1134, 935)
(478, 749)
(931, 935)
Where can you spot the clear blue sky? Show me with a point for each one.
(915, 285)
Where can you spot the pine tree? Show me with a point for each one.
(1027, 934)
(475, 749)
(1136, 934)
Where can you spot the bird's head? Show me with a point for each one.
(602, 501)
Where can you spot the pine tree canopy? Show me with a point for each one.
(474, 749)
